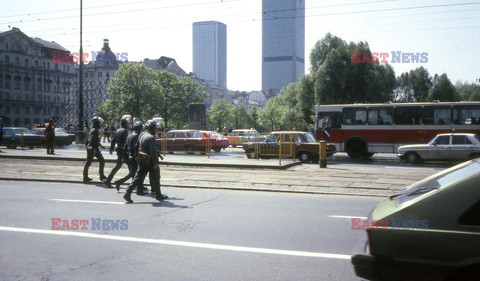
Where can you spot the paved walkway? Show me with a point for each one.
(233, 173)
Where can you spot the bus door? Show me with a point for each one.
(328, 126)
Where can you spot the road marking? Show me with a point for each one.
(348, 217)
(178, 243)
(409, 168)
(88, 201)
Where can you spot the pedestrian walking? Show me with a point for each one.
(148, 163)
(50, 137)
(93, 150)
(130, 152)
(106, 134)
(119, 139)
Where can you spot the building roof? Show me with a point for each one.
(46, 44)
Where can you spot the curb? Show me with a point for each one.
(164, 163)
(94, 183)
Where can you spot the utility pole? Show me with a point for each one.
(80, 79)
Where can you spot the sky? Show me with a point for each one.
(447, 31)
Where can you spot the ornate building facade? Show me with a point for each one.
(35, 79)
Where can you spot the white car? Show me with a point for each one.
(452, 146)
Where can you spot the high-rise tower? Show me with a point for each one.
(283, 42)
(210, 52)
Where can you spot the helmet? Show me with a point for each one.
(138, 126)
(150, 125)
(97, 121)
(123, 122)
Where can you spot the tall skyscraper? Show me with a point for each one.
(283, 42)
(210, 52)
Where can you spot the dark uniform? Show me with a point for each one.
(50, 137)
(148, 145)
(93, 149)
(130, 151)
(119, 138)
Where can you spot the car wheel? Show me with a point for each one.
(412, 157)
(217, 149)
(305, 157)
(368, 155)
(250, 153)
(30, 147)
(355, 150)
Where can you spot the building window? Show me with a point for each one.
(36, 63)
(27, 110)
(7, 109)
(7, 60)
(17, 61)
(27, 62)
(48, 65)
(17, 109)
(17, 85)
(26, 86)
(100, 74)
(49, 111)
(57, 112)
(56, 66)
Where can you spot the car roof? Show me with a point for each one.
(457, 134)
(243, 130)
(288, 132)
(182, 131)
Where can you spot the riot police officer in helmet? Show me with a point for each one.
(93, 150)
(119, 138)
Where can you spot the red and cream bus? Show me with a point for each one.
(364, 129)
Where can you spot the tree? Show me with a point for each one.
(174, 96)
(414, 86)
(270, 115)
(468, 92)
(306, 98)
(253, 113)
(443, 89)
(340, 79)
(139, 91)
(131, 91)
(239, 117)
(219, 114)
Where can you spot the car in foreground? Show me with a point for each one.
(215, 140)
(302, 145)
(62, 137)
(429, 231)
(19, 136)
(452, 146)
(189, 141)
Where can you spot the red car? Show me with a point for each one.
(189, 141)
(215, 140)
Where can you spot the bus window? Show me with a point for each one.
(437, 115)
(466, 114)
(355, 116)
(380, 116)
(408, 115)
(329, 119)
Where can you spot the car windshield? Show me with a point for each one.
(309, 137)
(196, 135)
(477, 138)
(447, 178)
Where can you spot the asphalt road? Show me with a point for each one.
(195, 235)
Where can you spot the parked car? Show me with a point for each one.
(189, 141)
(240, 136)
(429, 231)
(16, 136)
(452, 146)
(301, 144)
(62, 137)
(215, 140)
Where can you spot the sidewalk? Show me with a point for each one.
(230, 173)
(180, 159)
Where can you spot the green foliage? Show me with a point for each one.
(468, 92)
(253, 114)
(443, 90)
(413, 86)
(142, 92)
(338, 80)
(218, 115)
(239, 117)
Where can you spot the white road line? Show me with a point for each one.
(88, 201)
(348, 217)
(178, 243)
(408, 168)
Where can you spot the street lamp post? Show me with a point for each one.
(80, 79)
